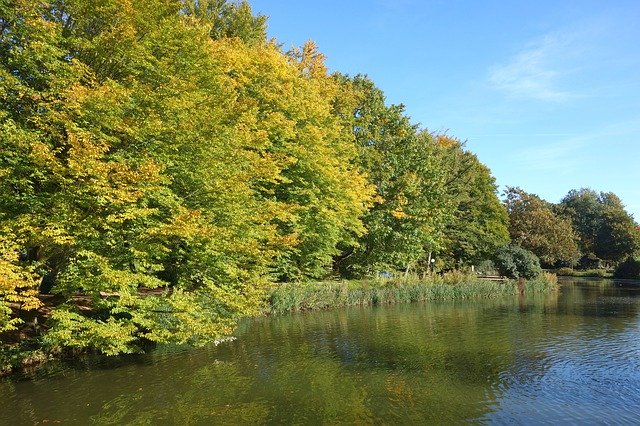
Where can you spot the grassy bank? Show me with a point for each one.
(584, 273)
(332, 294)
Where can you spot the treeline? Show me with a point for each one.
(586, 229)
(163, 164)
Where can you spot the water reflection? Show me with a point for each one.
(567, 356)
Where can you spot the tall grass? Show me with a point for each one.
(292, 297)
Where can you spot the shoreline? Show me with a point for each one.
(27, 357)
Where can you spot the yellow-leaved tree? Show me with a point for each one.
(157, 171)
(318, 192)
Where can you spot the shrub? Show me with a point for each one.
(487, 267)
(630, 268)
(515, 262)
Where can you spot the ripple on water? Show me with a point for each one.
(569, 357)
(589, 376)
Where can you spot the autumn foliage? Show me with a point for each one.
(163, 166)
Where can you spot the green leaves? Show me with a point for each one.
(73, 330)
(534, 226)
(162, 163)
(604, 227)
(432, 198)
(478, 225)
(118, 133)
(229, 19)
(514, 261)
(408, 216)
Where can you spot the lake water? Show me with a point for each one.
(572, 356)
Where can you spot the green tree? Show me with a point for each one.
(478, 226)
(534, 226)
(154, 175)
(114, 188)
(603, 225)
(407, 220)
(318, 192)
(629, 269)
(229, 19)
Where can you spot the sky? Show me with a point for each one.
(545, 93)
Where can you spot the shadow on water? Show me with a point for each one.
(569, 355)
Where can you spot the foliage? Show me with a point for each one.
(407, 220)
(114, 185)
(514, 261)
(18, 286)
(229, 19)
(319, 194)
(630, 269)
(432, 197)
(534, 226)
(478, 226)
(155, 173)
(604, 227)
(486, 267)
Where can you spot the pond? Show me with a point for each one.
(570, 356)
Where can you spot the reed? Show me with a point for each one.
(583, 273)
(294, 297)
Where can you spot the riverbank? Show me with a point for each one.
(582, 273)
(29, 354)
(391, 364)
(455, 285)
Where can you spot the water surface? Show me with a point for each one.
(570, 356)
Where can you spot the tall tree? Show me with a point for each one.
(534, 226)
(156, 175)
(117, 179)
(160, 172)
(604, 227)
(406, 222)
(479, 225)
(318, 192)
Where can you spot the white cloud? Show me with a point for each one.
(537, 71)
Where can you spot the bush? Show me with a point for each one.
(515, 262)
(487, 267)
(630, 268)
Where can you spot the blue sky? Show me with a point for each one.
(546, 93)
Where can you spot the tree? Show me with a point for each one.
(407, 220)
(318, 192)
(229, 19)
(629, 269)
(478, 226)
(534, 226)
(116, 182)
(603, 225)
(618, 235)
(156, 176)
